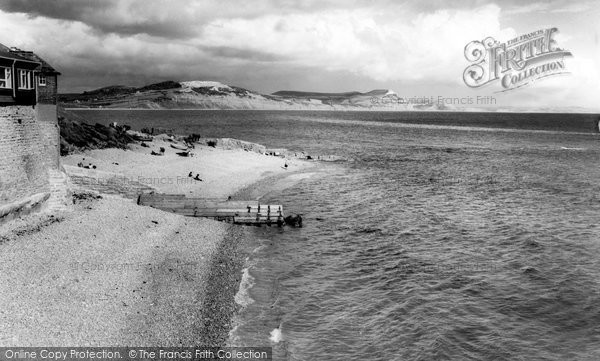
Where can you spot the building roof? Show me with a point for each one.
(5, 52)
(28, 56)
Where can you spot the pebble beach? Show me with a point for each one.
(110, 272)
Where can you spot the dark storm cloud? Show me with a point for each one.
(268, 45)
(183, 19)
(164, 18)
(64, 9)
(108, 16)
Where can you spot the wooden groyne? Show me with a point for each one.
(241, 212)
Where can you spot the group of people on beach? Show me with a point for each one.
(161, 152)
(89, 166)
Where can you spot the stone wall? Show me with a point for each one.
(47, 94)
(47, 121)
(29, 152)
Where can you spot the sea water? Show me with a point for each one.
(455, 236)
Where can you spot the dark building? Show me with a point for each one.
(31, 176)
(25, 78)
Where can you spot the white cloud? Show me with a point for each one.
(368, 42)
(386, 44)
(383, 46)
(528, 8)
(72, 44)
(574, 8)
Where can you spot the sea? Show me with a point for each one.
(436, 236)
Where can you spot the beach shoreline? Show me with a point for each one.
(109, 272)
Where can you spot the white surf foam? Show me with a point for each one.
(276, 335)
(258, 249)
(242, 297)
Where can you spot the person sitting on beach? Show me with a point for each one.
(190, 175)
(197, 177)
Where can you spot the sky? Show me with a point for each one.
(415, 48)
